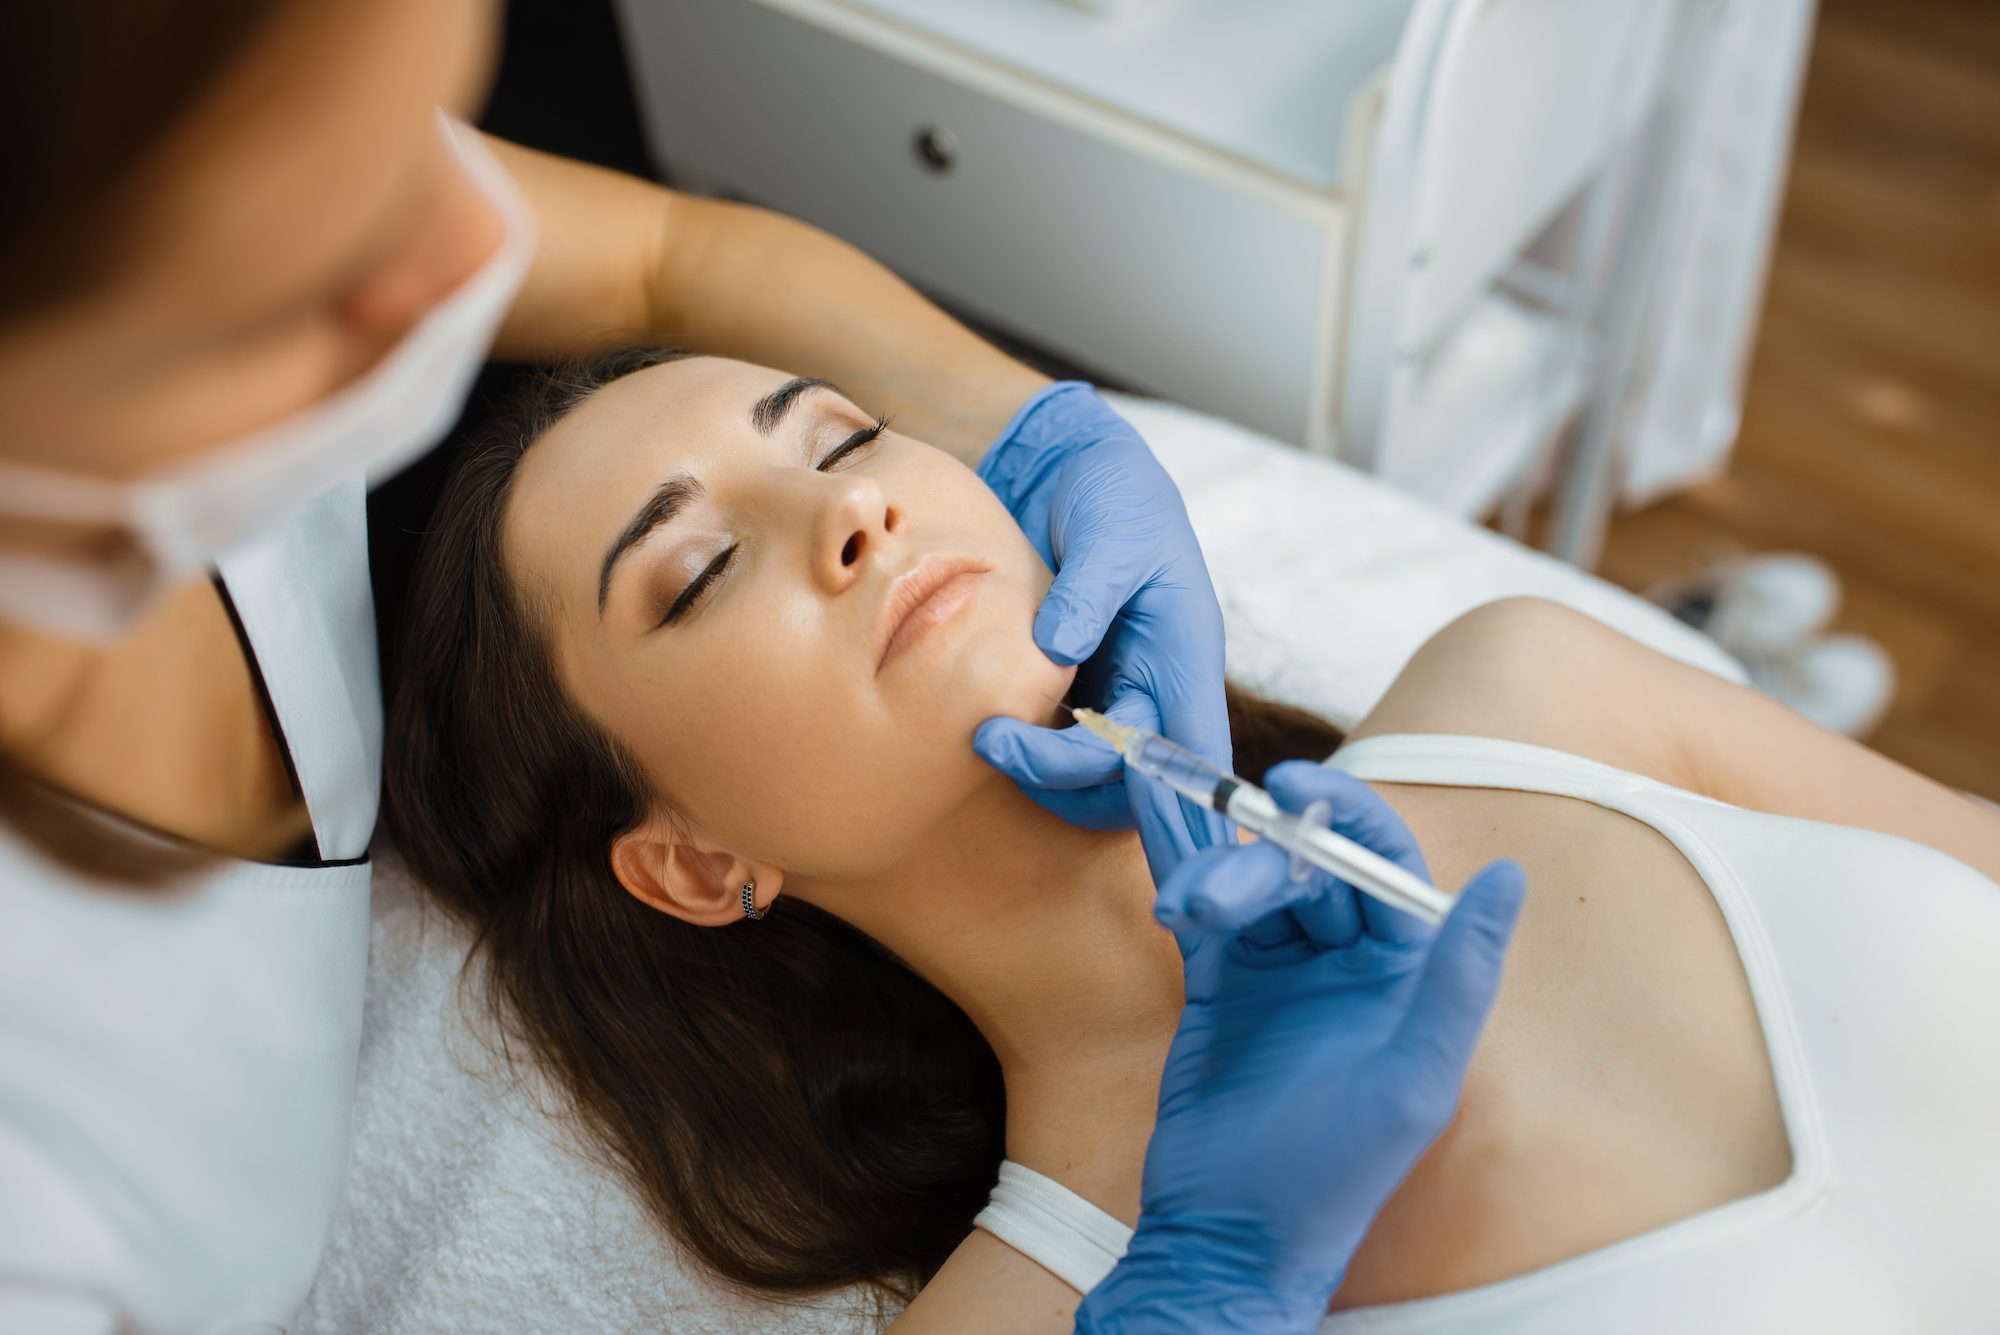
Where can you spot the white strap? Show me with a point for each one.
(1459, 761)
(1053, 1227)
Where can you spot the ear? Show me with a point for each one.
(695, 883)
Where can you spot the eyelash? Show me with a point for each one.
(853, 443)
(714, 570)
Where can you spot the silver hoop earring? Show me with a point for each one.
(750, 910)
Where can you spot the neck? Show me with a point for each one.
(1043, 934)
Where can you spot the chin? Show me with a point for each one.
(1002, 673)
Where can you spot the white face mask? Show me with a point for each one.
(182, 517)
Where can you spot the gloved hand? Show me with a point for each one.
(1132, 596)
(1321, 1052)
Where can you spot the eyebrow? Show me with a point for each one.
(770, 410)
(667, 500)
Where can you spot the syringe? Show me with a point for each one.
(1306, 838)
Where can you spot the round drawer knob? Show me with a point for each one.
(936, 149)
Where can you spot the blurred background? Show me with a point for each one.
(1754, 315)
(1871, 417)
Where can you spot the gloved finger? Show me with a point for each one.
(1268, 934)
(1184, 670)
(1211, 891)
(1097, 578)
(1134, 700)
(1460, 979)
(1171, 828)
(1196, 715)
(1359, 813)
(1072, 757)
(1189, 888)
(1255, 897)
(1322, 914)
(1329, 916)
(1235, 891)
(1358, 810)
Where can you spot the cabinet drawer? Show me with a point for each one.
(1164, 276)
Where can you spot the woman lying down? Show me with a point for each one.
(1741, 1074)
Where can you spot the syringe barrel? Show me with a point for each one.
(1360, 866)
(1177, 767)
(1250, 806)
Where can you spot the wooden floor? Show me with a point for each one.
(1871, 434)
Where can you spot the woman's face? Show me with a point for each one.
(730, 563)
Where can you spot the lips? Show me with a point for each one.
(920, 598)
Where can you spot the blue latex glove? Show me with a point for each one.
(1132, 603)
(1308, 1074)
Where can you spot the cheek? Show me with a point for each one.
(826, 797)
(821, 773)
(779, 745)
(749, 745)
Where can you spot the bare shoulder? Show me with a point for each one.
(1529, 670)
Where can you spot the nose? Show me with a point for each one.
(855, 522)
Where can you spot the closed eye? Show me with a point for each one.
(698, 586)
(866, 436)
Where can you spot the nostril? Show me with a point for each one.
(851, 551)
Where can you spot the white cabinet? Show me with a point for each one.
(1177, 263)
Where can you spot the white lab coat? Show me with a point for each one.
(177, 1068)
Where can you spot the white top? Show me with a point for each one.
(176, 1065)
(1266, 80)
(1871, 961)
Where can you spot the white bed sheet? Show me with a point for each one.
(470, 1209)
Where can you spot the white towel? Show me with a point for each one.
(468, 1207)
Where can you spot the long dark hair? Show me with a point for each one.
(796, 1107)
